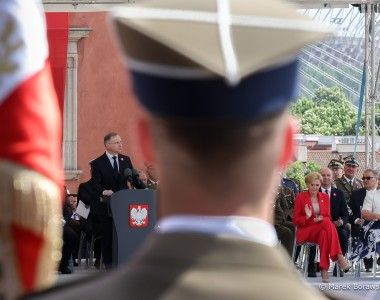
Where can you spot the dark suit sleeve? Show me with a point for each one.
(66, 213)
(86, 193)
(343, 210)
(354, 207)
(96, 178)
(327, 205)
(129, 162)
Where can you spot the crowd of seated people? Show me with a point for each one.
(334, 210)
(323, 214)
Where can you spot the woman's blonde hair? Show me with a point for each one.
(313, 176)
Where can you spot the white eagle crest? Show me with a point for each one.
(139, 215)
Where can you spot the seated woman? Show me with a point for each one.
(313, 220)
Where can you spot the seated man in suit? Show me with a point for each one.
(71, 232)
(370, 178)
(206, 79)
(339, 211)
(107, 178)
(371, 213)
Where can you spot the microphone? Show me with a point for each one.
(135, 173)
(128, 174)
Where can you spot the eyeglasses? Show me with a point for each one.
(367, 178)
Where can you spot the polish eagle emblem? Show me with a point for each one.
(138, 215)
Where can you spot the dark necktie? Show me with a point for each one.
(115, 164)
(326, 191)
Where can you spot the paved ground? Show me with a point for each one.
(365, 285)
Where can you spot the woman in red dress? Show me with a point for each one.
(313, 220)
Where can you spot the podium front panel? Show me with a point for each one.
(134, 217)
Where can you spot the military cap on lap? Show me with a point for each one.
(214, 58)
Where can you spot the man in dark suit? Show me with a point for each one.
(107, 178)
(71, 232)
(356, 202)
(339, 211)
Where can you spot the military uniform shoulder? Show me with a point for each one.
(286, 190)
(339, 181)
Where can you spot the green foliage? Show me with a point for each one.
(301, 106)
(298, 170)
(327, 113)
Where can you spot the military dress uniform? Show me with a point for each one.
(347, 188)
(283, 214)
(346, 185)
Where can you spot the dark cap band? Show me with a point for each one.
(256, 96)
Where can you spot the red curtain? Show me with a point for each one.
(58, 35)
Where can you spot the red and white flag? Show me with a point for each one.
(30, 119)
(30, 152)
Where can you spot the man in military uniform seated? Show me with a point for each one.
(291, 184)
(349, 182)
(336, 167)
(283, 213)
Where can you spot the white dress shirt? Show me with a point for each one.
(110, 157)
(328, 191)
(372, 201)
(246, 228)
(350, 181)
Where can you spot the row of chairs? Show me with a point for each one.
(303, 260)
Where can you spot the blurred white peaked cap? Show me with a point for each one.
(199, 38)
